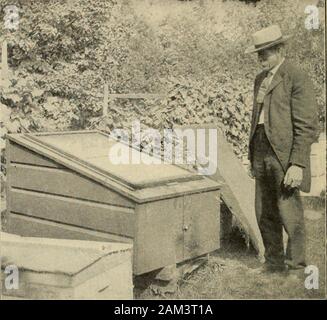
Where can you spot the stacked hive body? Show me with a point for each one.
(65, 269)
(62, 185)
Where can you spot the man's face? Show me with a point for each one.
(268, 58)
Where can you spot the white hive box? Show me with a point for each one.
(67, 269)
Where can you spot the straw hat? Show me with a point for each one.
(267, 38)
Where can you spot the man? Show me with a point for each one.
(284, 125)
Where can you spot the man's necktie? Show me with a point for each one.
(264, 87)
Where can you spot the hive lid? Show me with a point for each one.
(59, 256)
(92, 148)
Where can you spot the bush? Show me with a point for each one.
(64, 51)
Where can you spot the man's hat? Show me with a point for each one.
(266, 38)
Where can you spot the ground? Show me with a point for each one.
(230, 272)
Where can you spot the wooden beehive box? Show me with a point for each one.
(62, 185)
(66, 269)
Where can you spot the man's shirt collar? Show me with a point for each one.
(275, 68)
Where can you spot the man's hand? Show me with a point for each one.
(293, 177)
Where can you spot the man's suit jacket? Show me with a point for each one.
(290, 118)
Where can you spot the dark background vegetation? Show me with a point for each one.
(64, 51)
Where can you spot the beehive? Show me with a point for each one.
(62, 185)
(66, 269)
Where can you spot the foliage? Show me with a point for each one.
(64, 51)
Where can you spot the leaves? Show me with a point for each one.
(64, 51)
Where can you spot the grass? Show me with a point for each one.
(229, 273)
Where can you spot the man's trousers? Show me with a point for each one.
(276, 207)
